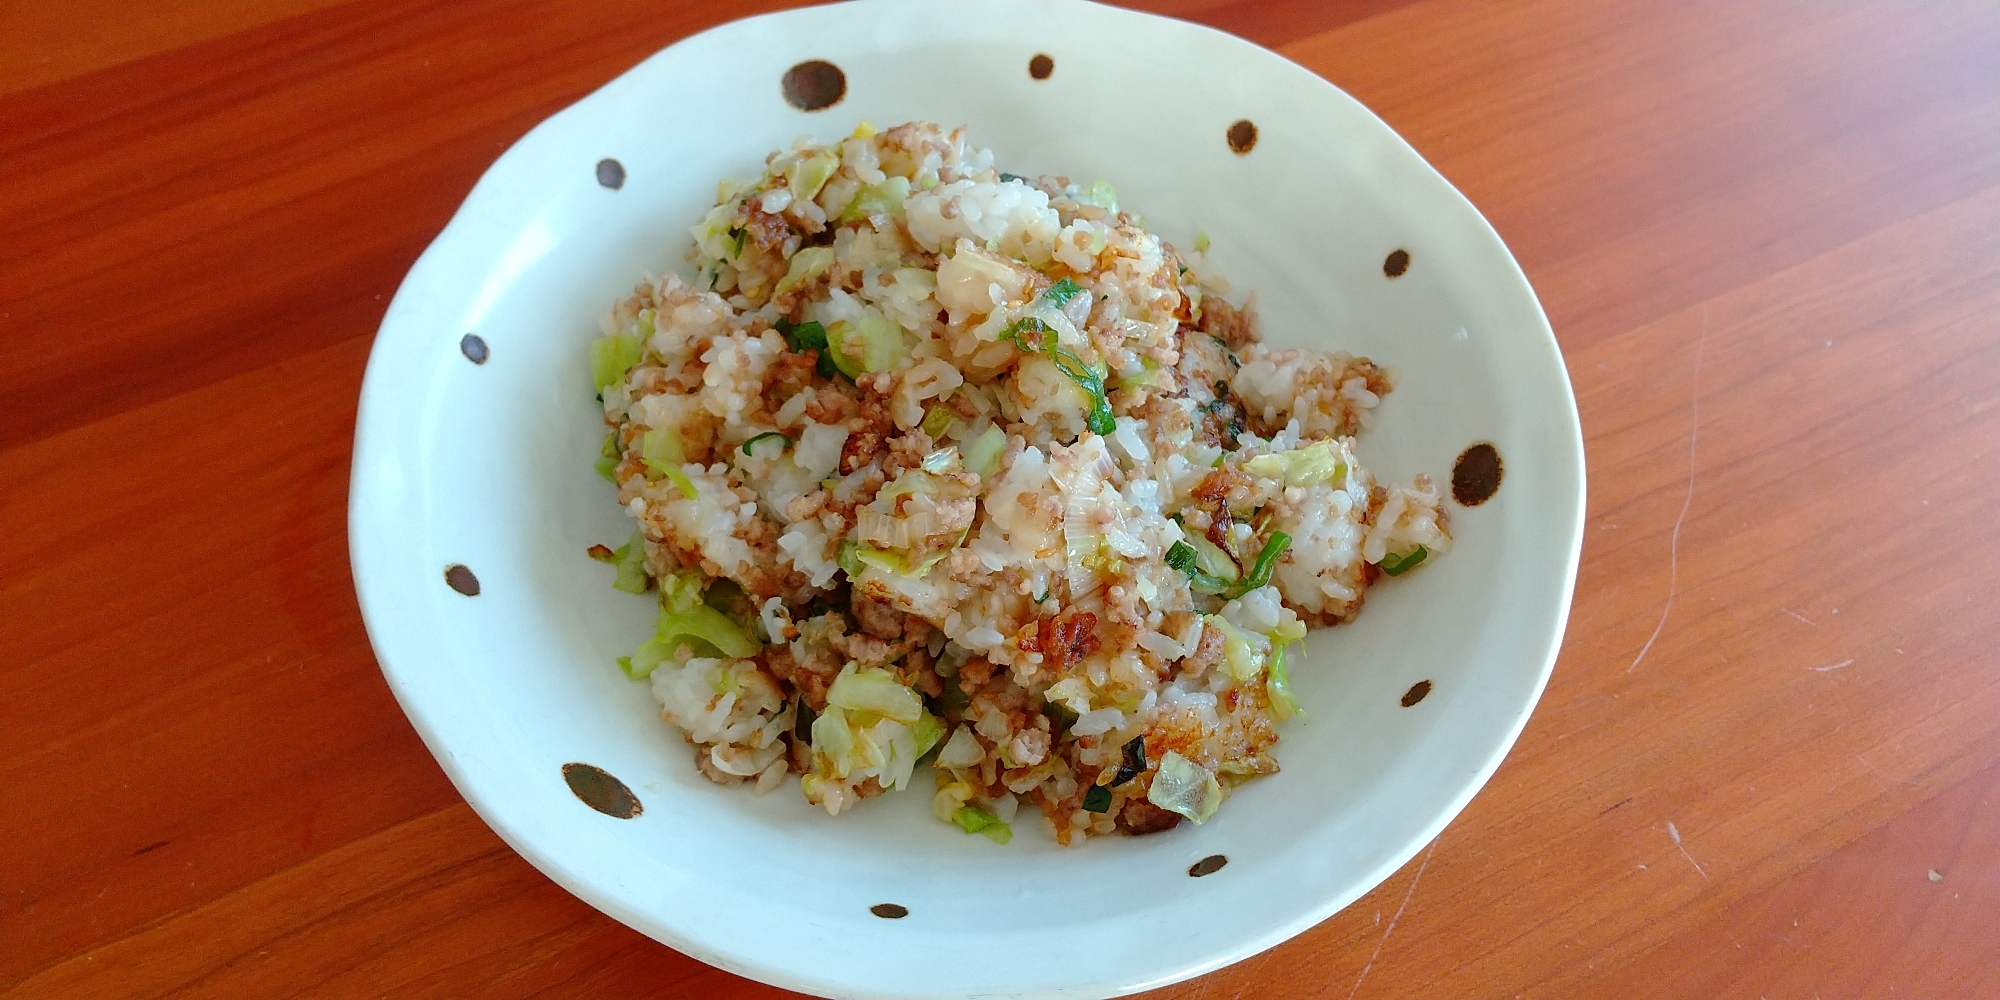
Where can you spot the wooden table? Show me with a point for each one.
(1768, 764)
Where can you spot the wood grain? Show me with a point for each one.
(1767, 234)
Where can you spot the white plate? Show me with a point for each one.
(489, 466)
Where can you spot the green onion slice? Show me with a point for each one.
(1397, 565)
(764, 436)
(1135, 761)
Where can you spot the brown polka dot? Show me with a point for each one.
(1243, 136)
(1041, 66)
(1208, 865)
(890, 911)
(1397, 262)
(611, 173)
(813, 85)
(602, 792)
(1416, 693)
(1475, 477)
(474, 348)
(459, 578)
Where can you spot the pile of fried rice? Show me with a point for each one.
(934, 464)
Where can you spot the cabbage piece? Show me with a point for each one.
(609, 456)
(1101, 194)
(661, 449)
(962, 750)
(885, 198)
(1314, 463)
(1278, 686)
(681, 592)
(874, 343)
(875, 690)
(1210, 558)
(940, 461)
(982, 455)
(833, 740)
(1071, 693)
(611, 357)
(937, 420)
(807, 264)
(1185, 787)
(808, 174)
(1243, 653)
(630, 559)
(852, 743)
(896, 562)
(973, 819)
(928, 731)
(695, 626)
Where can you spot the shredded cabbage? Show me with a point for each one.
(1243, 653)
(681, 592)
(982, 455)
(1278, 685)
(807, 264)
(874, 343)
(962, 750)
(873, 689)
(1071, 693)
(1314, 463)
(972, 819)
(630, 559)
(681, 481)
(1185, 787)
(937, 420)
(885, 198)
(609, 456)
(1101, 194)
(854, 738)
(808, 174)
(661, 448)
(611, 357)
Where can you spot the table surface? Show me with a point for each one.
(1768, 764)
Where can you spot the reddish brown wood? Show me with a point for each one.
(1766, 236)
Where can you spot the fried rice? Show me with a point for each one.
(936, 465)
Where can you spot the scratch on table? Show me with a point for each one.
(1833, 666)
(1676, 835)
(1674, 543)
(1800, 617)
(1877, 772)
(1391, 929)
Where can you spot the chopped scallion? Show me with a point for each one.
(766, 436)
(1097, 800)
(1397, 565)
(1183, 557)
(1034, 336)
(1134, 763)
(1061, 292)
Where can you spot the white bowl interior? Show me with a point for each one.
(490, 466)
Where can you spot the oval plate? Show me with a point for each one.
(487, 467)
